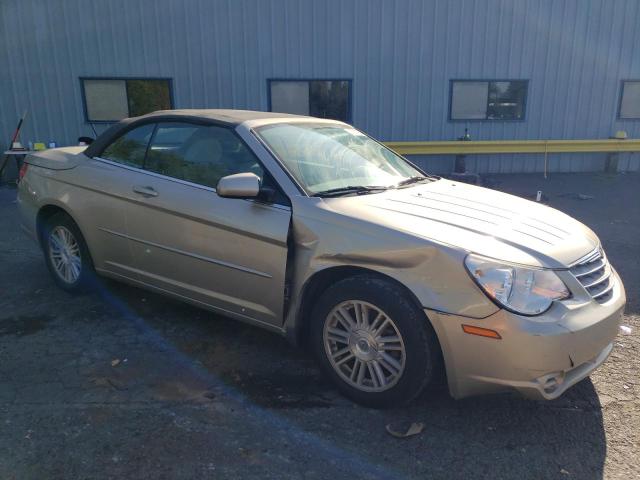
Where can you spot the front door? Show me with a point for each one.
(227, 253)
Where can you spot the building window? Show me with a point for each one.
(630, 100)
(488, 100)
(318, 98)
(112, 99)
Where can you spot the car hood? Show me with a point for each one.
(478, 220)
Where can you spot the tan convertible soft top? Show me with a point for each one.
(205, 116)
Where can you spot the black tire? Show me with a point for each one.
(422, 350)
(86, 280)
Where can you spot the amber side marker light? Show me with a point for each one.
(483, 332)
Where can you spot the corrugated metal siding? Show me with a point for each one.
(400, 54)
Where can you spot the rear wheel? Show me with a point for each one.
(373, 342)
(66, 254)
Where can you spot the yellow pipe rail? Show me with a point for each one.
(485, 147)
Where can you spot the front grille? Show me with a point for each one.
(594, 273)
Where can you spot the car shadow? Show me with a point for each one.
(499, 436)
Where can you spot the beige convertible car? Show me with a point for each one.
(314, 230)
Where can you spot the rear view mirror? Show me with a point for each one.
(239, 185)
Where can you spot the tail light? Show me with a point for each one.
(23, 171)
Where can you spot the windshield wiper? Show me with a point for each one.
(351, 189)
(412, 180)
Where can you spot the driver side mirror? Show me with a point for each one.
(239, 185)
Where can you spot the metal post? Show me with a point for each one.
(460, 165)
(611, 163)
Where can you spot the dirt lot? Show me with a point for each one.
(124, 383)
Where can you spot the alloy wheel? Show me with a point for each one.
(364, 346)
(64, 253)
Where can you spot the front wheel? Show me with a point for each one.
(373, 342)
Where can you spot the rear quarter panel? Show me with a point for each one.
(90, 194)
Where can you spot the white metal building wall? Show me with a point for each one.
(400, 54)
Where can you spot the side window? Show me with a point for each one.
(199, 154)
(129, 149)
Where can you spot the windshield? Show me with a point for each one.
(324, 157)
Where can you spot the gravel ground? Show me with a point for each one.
(128, 384)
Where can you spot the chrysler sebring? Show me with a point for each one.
(312, 229)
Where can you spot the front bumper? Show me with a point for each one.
(540, 358)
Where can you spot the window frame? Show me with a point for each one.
(309, 80)
(85, 110)
(124, 133)
(619, 116)
(488, 81)
(285, 203)
(159, 124)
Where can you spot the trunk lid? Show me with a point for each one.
(57, 158)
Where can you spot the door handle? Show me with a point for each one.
(145, 191)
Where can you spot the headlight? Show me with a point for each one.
(522, 290)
